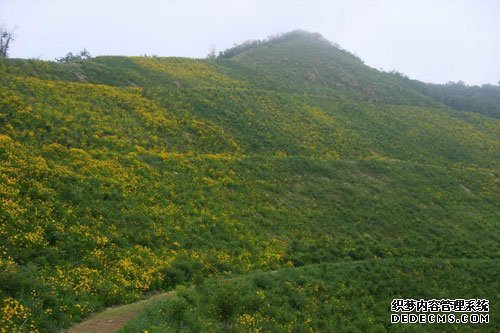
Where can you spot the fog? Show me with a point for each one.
(430, 40)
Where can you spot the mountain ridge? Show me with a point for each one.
(322, 67)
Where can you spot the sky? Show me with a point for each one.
(429, 40)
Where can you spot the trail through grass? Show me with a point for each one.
(115, 318)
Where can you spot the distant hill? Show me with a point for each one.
(125, 175)
(484, 99)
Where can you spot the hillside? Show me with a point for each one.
(125, 175)
(328, 297)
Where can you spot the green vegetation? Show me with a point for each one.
(332, 297)
(484, 99)
(70, 57)
(125, 175)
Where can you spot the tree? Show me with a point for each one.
(211, 54)
(70, 57)
(6, 37)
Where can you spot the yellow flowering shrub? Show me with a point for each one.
(15, 317)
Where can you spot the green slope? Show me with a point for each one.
(338, 297)
(123, 175)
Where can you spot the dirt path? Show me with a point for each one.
(115, 318)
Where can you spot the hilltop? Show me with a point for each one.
(121, 176)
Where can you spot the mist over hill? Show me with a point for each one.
(121, 176)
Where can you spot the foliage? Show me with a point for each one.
(70, 57)
(484, 99)
(6, 38)
(328, 297)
